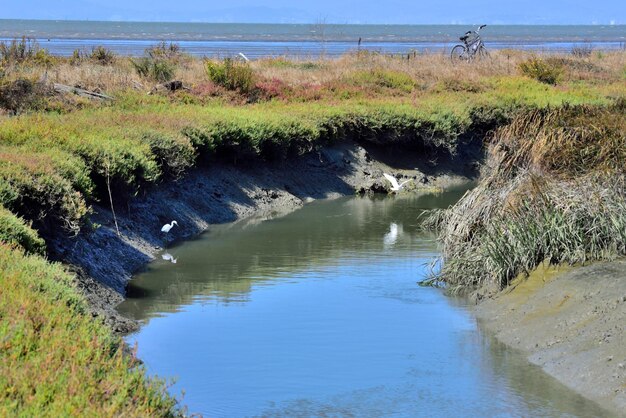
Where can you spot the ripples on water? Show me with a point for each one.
(259, 40)
(318, 313)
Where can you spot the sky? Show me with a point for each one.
(328, 11)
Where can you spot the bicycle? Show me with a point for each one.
(472, 47)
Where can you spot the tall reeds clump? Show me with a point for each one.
(19, 51)
(159, 63)
(553, 190)
(232, 75)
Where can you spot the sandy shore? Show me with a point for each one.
(571, 322)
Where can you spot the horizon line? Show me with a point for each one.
(311, 23)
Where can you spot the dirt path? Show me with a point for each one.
(572, 323)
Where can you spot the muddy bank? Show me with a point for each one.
(105, 262)
(572, 323)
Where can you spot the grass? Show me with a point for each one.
(544, 71)
(140, 140)
(17, 233)
(55, 360)
(553, 192)
(58, 154)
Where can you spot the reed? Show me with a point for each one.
(553, 190)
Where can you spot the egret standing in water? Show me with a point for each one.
(166, 228)
(395, 186)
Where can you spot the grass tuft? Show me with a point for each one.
(542, 70)
(553, 191)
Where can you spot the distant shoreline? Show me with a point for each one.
(257, 40)
(303, 49)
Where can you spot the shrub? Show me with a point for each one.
(272, 88)
(22, 94)
(173, 154)
(25, 51)
(18, 50)
(582, 51)
(56, 360)
(44, 186)
(232, 75)
(15, 231)
(541, 70)
(156, 69)
(163, 50)
(102, 55)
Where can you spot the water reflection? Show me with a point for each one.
(391, 237)
(317, 313)
(225, 262)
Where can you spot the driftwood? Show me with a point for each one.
(62, 88)
(169, 86)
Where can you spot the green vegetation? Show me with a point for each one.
(554, 192)
(55, 360)
(102, 55)
(140, 140)
(545, 71)
(154, 69)
(381, 78)
(22, 94)
(60, 152)
(232, 75)
(15, 232)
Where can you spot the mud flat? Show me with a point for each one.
(571, 322)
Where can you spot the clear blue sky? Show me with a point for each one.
(331, 11)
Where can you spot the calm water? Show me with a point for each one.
(258, 40)
(318, 313)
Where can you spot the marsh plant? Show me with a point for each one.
(542, 70)
(553, 190)
(231, 74)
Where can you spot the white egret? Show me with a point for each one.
(166, 228)
(169, 257)
(244, 57)
(395, 186)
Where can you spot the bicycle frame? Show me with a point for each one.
(469, 49)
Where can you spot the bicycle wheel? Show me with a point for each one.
(459, 53)
(483, 53)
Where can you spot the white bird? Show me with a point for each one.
(166, 228)
(395, 186)
(244, 57)
(169, 257)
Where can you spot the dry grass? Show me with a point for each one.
(428, 70)
(553, 190)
